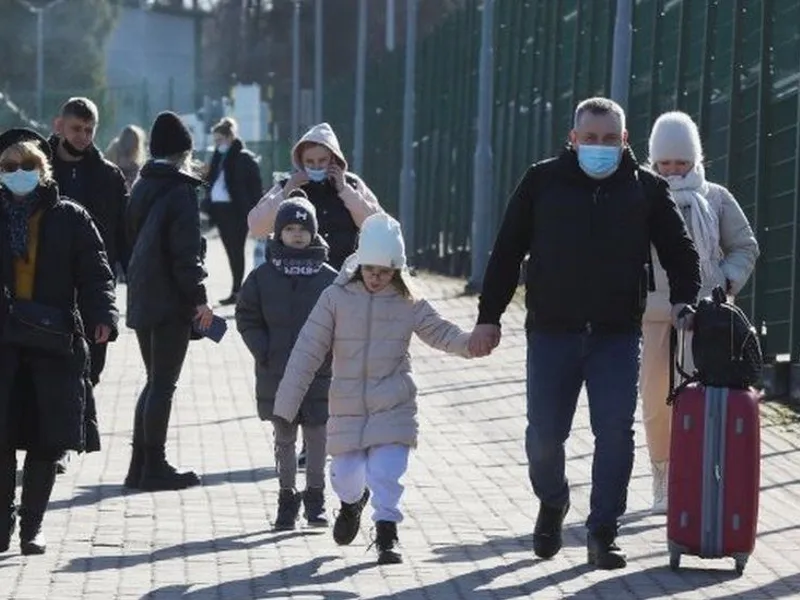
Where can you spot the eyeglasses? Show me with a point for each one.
(9, 166)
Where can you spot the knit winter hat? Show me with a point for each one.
(380, 242)
(296, 210)
(675, 137)
(169, 136)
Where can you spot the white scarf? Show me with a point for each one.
(689, 192)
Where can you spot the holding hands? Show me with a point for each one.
(485, 338)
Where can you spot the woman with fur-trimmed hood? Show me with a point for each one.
(728, 251)
(342, 200)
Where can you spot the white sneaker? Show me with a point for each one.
(660, 488)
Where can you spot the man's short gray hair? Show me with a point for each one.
(599, 106)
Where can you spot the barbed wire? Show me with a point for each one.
(7, 105)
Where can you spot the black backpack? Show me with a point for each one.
(725, 346)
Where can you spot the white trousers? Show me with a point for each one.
(380, 468)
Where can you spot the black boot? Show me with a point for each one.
(38, 477)
(386, 541)
(602, 550)
(134, 476)
(348, 521)
(159, 475)
(8, 513)
(288, 510)
(314, 503)
(230, 300)
(547, 533)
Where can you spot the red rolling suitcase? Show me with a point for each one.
(714, 473)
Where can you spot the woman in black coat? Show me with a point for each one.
(57, 293)
(235, 187)
(165, 294)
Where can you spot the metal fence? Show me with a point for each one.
(118, 105)
(734, 65)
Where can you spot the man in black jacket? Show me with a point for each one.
(587, 218)
(85, 176)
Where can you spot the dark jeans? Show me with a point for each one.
(163, 351)
(97, 357)
(233, 231)
(558, 366)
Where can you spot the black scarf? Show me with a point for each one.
(19, 214)
(298, 261)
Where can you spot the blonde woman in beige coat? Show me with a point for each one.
(728, 251)
(367, 318)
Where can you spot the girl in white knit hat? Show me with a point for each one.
(728, 251)
(367, 318)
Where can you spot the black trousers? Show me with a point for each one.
(38, 477)
(233, 232)
(163, 351)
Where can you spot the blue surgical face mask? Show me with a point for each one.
(317, 175)
(597, 161)
(223, 148)
(20, 182)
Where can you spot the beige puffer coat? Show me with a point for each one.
(372, 399)
(738, 247)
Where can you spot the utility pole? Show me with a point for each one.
(390, 25)
(621, 59)
(407, 174)
(361, 75)
(483, 159)
(318, 47)
(296, 71)
(39, 10)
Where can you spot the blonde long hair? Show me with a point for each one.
(128, 149)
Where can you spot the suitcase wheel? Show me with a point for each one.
(741, 563)
(674, 560)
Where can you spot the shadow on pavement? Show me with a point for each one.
(94, 494)
(274, 584)
(93, 564)
(279, 584)
(660, 582)
(574, 536)
(786, 587)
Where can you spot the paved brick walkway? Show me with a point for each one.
(469, 508)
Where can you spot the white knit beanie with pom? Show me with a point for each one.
(675, 137)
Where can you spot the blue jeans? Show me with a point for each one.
(558, 366)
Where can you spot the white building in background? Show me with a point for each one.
(248, 111)
(150, 63)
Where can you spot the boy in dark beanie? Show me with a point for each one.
(274, 303)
